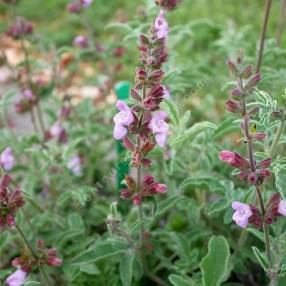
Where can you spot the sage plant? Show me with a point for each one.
(142, 125)
(249, 168)
(11, 201)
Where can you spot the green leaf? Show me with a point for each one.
(126, 268)
(90, 269)
(208, 183)
(172, 111)
(100, 251)
(280, 181)
(214, 265)
(261, 258)
(256, 233)
(167, 204)
(32, 283)
(191, 133)
(4, 238)
(177, 280)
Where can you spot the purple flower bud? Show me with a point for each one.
(168, 4)
(260, 136)
(74, 7)
(234, 160)
(242, 214)
(232, 67)
(247, 72)
(233, 106)
(125, 194)
(137, 200)
(156, 75)
(265, 163)
(253, 81)
(81, 41)
(134, 94)
(252, 178)
(141, 74)
(236, 92)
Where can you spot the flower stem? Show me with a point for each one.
(25, 240)
(140, 210)
(253, 169)
(281, 22)
(268, 4)
(45, 275)
(38, 108)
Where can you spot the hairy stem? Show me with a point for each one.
(281, 22)
(25, 240)
(253, 169)
(38, 108)
(268, 4)
(140, 210)
(45, 275)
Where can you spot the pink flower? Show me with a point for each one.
(242, 214)
(7, 160)
(74, 165)
(125, 194)
(56, 129)
(159, 127)
(73, 7)
(234, 159)
(17, 278)
(282, 207)
(168, 4)
(265, 163)
(81, 41)
(85, 3)
(122, 119)
(52, 258)
(27, 93)
(161, 26)
(137, 200)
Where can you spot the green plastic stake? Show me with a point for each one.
(122, 92)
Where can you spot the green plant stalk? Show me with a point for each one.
(257, 187)
(281, 22)
(25, 240)
(267, 9)
(275, 142)
(45, 275)
(38, 108)
(140, 210)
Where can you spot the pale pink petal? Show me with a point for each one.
(119, 132)
(161, 26)
(161, 139)
(282, 207)
(17, 278)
